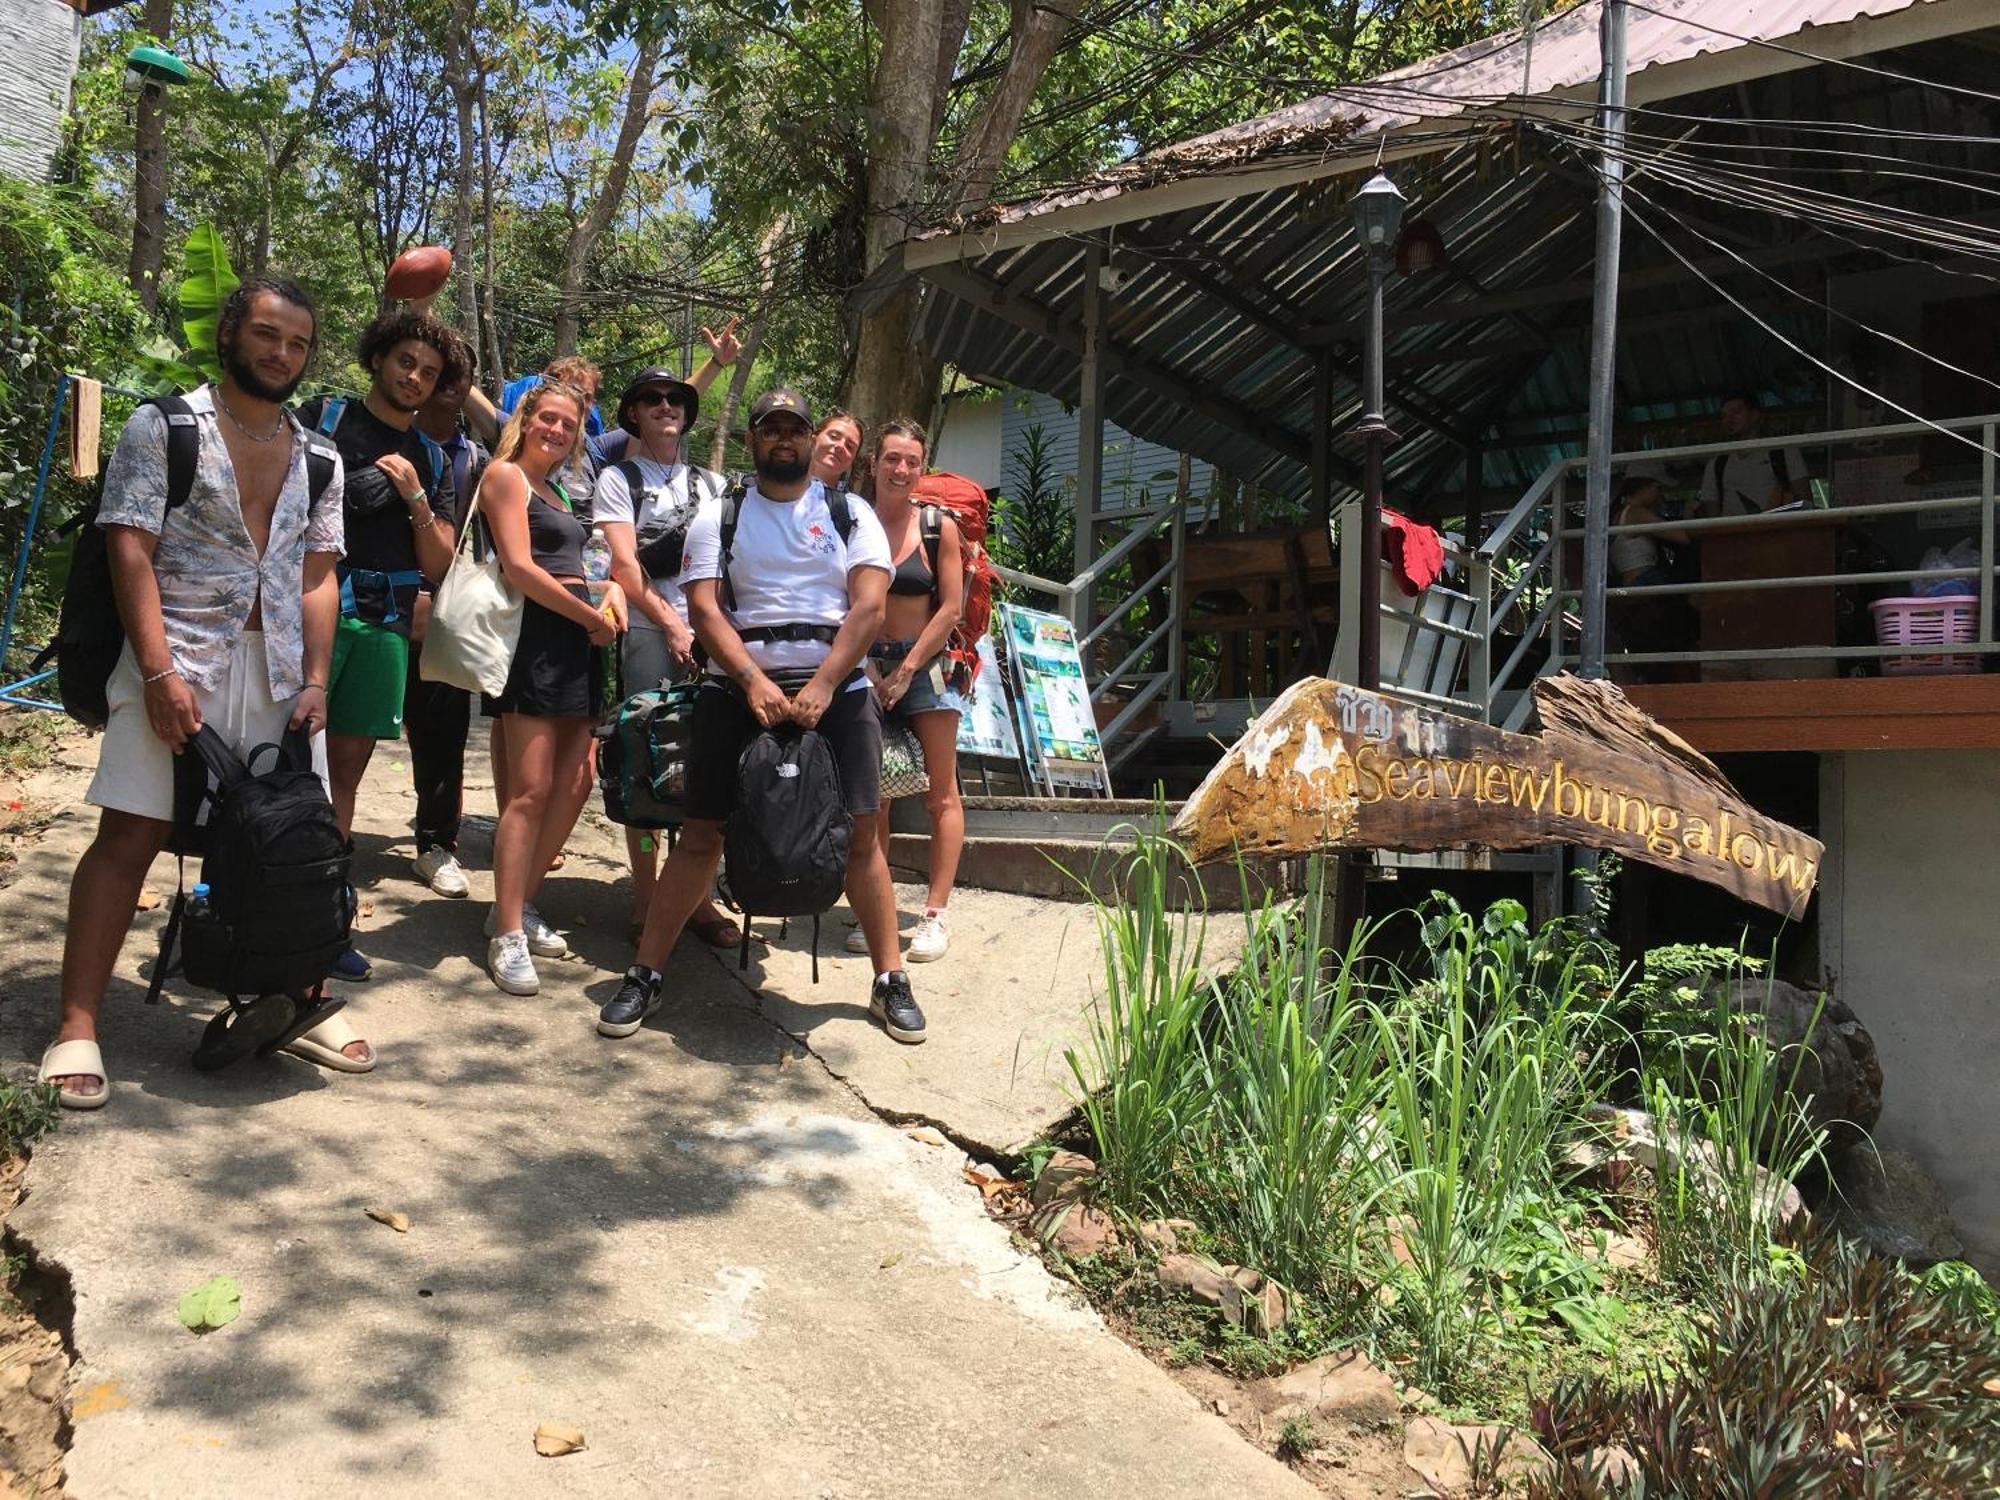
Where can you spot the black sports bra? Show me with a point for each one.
(913, 575)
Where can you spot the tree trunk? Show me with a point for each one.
(496, 360)
(149, 183)
(893, 375)
(739, 377)
(583, 239)
(459, 65)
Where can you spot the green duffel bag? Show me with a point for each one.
(642, 756)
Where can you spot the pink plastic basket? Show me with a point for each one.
(1951, 619)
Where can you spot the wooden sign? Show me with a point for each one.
(1333, 767)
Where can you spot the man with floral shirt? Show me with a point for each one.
(229, 602)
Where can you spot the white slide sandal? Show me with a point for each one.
(323, 1043)
(77, 1060)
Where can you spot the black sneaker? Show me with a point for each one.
(891, 1003)
(637, 998)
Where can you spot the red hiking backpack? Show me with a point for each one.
(939, 495)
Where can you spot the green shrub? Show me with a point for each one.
(28, 1111)
(1852, 1380)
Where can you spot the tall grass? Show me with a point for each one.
(1138, 1074)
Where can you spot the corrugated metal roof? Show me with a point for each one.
(1228, 301)
(1492, 79)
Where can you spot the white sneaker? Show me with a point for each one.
(543, 940)
(508, 961)
(857, 940)
(929, 941)
(440, 870)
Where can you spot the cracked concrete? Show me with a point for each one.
(697, 1245)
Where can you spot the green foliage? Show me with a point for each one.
(1963, 1287)
(1852, 1380)
(28, 1111)
(1034, 513)
(1297, 1438)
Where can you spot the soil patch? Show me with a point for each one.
(35, 1360)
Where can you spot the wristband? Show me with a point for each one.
(159, 676)
(320, 685)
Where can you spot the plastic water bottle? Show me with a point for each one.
(596, 560)
(198, 900)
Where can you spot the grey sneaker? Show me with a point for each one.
(857, 940)
(637, 998)
(543, 940)
(511, 965)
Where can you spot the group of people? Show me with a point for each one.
(259, 603)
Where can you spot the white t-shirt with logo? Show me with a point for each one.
(666, 494)
(788, 566)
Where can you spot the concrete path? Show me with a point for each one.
(698, 1246)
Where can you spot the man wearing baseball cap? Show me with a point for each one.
(644, 504)
(795, 590)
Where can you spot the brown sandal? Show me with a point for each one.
(717, 931)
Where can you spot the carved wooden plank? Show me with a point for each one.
(1332, 767)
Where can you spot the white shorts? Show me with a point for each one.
(135, 767)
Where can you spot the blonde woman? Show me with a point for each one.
(552, 697)
(836, 443)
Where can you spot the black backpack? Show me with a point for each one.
(280, 909)
(91, 633)
(785, 849)
(642, 756)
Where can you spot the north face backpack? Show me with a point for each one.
(90, 634)
(280, 909)
(785, 849)
(642, 756)
(966, 502)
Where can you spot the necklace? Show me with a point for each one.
(237, 422)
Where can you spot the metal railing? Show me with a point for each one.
(1151, 669)
(1526, 556)
(1427, 651)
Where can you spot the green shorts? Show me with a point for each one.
(371, 665)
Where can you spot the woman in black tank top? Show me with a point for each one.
(542, 721)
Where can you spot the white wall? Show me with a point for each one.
(39, 44)
(1130, 465)
(969, 442)
(1913, 846)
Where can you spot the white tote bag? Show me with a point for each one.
(475, 619)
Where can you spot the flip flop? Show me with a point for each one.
(323, 1045)
(239, 1030)
(79, 1059)
(314, 1009)
(718, 931)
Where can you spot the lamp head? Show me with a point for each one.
(1378, 214)
(153, 65)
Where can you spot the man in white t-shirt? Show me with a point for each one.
(799, 593)
(1754, 479)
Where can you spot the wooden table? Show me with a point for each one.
(1796, 543)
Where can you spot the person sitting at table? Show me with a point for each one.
(1651, 622)
(1751, 480)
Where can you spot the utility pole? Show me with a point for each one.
(1604, 338)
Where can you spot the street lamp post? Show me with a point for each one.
(1378, 215)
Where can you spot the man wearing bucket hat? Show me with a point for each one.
(644, 505)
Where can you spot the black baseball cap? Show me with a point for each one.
(686, 397)
(780, 400)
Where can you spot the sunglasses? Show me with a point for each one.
(656, 398)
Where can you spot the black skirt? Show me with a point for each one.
(557, 673)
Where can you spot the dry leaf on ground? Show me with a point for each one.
(400, 1222)
(553, 1440)
(148, 899)
(927, 1135)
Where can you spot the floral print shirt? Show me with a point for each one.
(208, 569)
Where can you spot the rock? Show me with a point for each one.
(1339, 1387)
(1074, 1229)
(1640, 1137)
(1894, 1206)
(1067, 1175)
(1167, 1235)
(1196, 1275)
(1252, 1301)
(1840, 1069)
(1442, 1454)
(1613, 1465)
(1623, 1252)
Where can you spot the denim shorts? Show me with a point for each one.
(927, 693)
